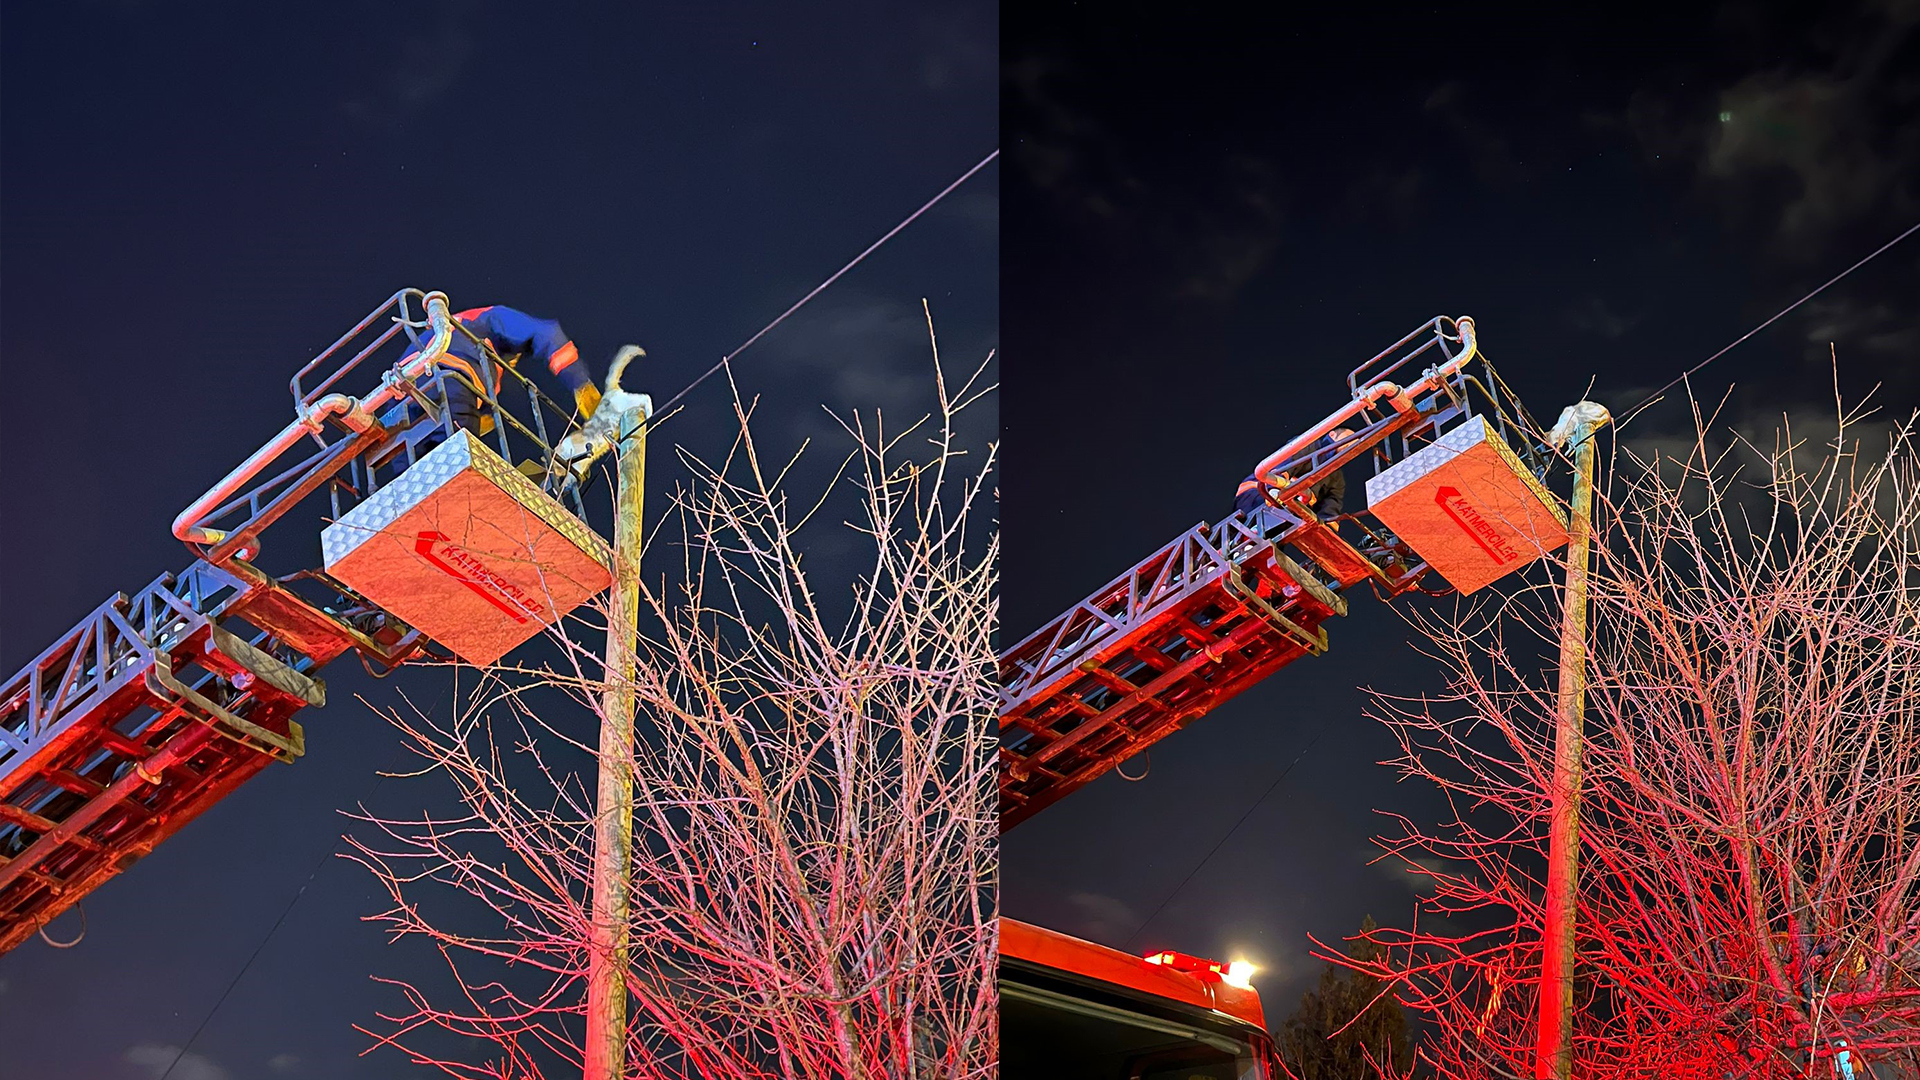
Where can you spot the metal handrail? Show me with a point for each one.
(1379, 389)
(354, 412)
(319, 407)
(403, 321)
(1439, 325)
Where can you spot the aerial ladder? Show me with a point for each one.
(1456, 489)
(158, 705)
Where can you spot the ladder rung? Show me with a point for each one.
(26, 819)
(75, 783)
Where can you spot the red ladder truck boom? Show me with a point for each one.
(156, 706)
(1227, 604)
(1212, 613)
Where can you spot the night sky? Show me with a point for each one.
(196, 198)
(1210, 220)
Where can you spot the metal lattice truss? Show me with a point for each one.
(145, 714)
(1192, 625)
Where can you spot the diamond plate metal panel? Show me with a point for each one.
(467, 550)
(1469, 507)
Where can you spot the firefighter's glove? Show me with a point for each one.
(586, 397)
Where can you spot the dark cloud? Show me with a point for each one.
(1396, 194)
(1219, 225)
(1745, 431)
(1488, 153)
(1228, 239)
(1063, 149)
(423, 66)
(957, 50)
(1591, 314)
(979, 208)
(860, 350)
(1100, 917)
(1813, 135)
(1876, 332)
(155, 1060)
(1804, 146)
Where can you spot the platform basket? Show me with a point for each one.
(1467, 505)
(469, 551)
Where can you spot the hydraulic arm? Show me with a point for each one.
(1227, 604)
(156, 706)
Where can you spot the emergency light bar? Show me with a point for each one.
(1239, 973)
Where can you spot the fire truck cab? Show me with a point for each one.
(1074, 1010)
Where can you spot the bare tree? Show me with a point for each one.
(1749, 901)
(815, 843)
(1348, 1027)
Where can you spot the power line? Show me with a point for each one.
(1655, 396)
(822, 287)
(244, 968)
(1178, 889)
(331, 852)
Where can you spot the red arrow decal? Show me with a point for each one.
(485, 583)
(1464, 515)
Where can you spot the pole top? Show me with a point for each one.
(1577, 423)
(633, 423)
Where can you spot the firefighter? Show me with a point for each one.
(1327, 497)
(514, 336)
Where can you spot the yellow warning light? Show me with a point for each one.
(1239, 973)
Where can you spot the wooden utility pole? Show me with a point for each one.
(1553, 1055)
(606, 1047)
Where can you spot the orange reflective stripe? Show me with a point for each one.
(562, 358)
(465, 366)
(1246, 486)
(472, 313)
